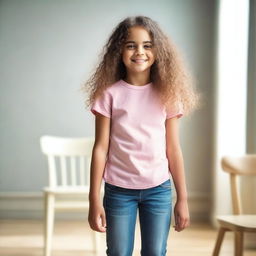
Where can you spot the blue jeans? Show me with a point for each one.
(155, 209)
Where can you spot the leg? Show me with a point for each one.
(238, 243)
(96, 241)
(155, 219)
(49, 222)
(121, 209)
(220, 237)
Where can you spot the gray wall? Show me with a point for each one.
(47, 48)
(251, 95)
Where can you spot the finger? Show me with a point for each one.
(98, 224)
(177, 222)
(103, 218)
(187, 222)
(103, 223)
(101, 226)
(176, 219)
(92, 224)
(182, 223)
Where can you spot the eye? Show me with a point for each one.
(130, 46)
(148, 46)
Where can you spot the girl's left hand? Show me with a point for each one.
(181, 214)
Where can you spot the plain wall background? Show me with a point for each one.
(47, 48)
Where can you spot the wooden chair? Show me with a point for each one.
(238, 222)
(68, 188)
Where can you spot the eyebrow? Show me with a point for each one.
(127, 42)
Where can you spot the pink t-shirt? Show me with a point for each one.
(137, 150)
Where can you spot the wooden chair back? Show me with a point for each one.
(68, 160)
(238, 166)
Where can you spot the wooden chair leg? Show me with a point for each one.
(238, 243)
(48, 223)
(219, 240)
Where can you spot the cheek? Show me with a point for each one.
(152, 57)
(153, 54)
(126, 56)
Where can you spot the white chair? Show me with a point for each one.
(69, 174)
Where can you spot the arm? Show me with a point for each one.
(96, 216)
(176, 167)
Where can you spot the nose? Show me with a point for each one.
(140, 49)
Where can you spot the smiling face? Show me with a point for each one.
(138, 51)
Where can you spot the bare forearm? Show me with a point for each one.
(176, 167)
(96, 172)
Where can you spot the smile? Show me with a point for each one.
(139, 61)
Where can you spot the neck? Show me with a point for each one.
(137, 78)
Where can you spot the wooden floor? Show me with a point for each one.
(72, 238)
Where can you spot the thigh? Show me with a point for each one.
(155, 219)
(121, 209)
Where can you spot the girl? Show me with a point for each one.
(138, 92)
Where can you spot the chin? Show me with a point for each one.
(138, 70)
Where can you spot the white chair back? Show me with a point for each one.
(68, 160)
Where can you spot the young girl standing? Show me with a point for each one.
(137, 94)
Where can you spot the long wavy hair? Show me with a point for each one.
(169, 75)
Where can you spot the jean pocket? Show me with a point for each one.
(166, 184)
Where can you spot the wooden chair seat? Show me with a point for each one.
(244, 222)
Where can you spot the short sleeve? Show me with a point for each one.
(175, 111)
(102, 105)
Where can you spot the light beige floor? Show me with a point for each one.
(24, 238)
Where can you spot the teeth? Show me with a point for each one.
(139, 61)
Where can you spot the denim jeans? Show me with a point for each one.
(155, 208)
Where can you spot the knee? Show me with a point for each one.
(119, 251)
(154, 251)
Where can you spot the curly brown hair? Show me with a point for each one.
(168, 74)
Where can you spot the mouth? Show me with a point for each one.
(139, 61)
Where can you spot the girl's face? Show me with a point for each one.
(138, 52)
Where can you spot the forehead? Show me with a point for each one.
(138, 34)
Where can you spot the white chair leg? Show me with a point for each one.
(96, 242)
(48, 223)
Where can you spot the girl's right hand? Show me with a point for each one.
(97, 217)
